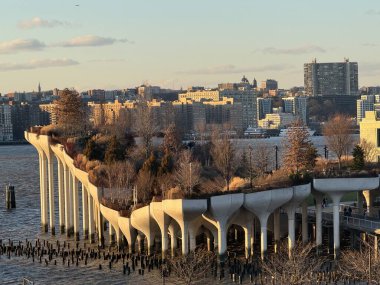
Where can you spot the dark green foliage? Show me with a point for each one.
(358, 154)
(114, 151)
(167, 163)
(311, 155)
(151, 164)
(93, 151)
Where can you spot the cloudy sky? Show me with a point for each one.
(177, 43)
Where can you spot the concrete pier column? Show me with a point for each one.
(51, 194)
(100, 226)
(43, 192)
(140, 240)
(61, 199)
(318, 218)
(305, 233)
(68, 206)
(75, 207)
(291, 229)
(111, 232)
(376, 246)
(336, 201)
(264, 235)
(85, 215)
(192, 240)
(185, 237)
(276, 226)
(369, 197)
(222, 238)
(91, 229)
(247, 240)
(173, 238)
(164, 242)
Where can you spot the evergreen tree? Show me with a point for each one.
(299, 152)
(71, 114)
(166, 163)
(114, 151)
(151, 164)
(358, 154)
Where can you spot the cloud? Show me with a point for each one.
(373, 12)
(232, 69)
(370, 45)
(37, 22)
(107, 60)
(21, 45)
(35, 64)
(294, 50)
(91, 41)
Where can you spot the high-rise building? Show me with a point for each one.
(364, 104)
(264, 106)
(6, 129)
(335, 78)
(269, 84)
(297, 106)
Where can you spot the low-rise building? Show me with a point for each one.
(370, 131)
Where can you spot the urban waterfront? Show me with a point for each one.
(19, 166)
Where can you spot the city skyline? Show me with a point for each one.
(92, 44)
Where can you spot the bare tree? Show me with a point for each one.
(145, 125)
(361, 265)
(71, 113)
(223, 155)
(337, 132)
(298, 149)
(144, 184)
(300, 268)
(188, 172)
(193, 267)
(120, 176)
(261, 158)
(369, 149)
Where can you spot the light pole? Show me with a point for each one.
(326, 152)
(276, 152)
(191, 186)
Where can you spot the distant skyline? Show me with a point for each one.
(176, 43)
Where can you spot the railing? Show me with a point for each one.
(349, 221)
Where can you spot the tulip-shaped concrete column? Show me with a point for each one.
(100, 226)
(300, 193)
(68, 200)
(305, 233)
(91, 226)
(142, 220)
(129, 232)
(61, 199)
(173, 231)
(51, 193)
(369, 198)
(75, 207)
(336, 188)
(85, 211)
(43, 192)
(262, 204)
(163, 220)
(183, 212)
(221, 209)
(276, 229)
(318, 217)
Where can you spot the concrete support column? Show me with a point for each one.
(68, 206)
(185, 238)
(336, 201)
(376, 246)
(75, 207)
(173, 239)
(91, 229)
(164, 241)
(264, 234)
(111, 233)
(276, 226)
(61, 200)
(369, 197)
(291, 229)
(43, 193)
(100, 227)
(192, 240)
(51, 194)
(85, 215)
(318, 219)
(247, 240)
(305, 233)
(222, 239)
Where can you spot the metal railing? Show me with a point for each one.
(349, 221)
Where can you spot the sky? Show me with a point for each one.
(87, 44)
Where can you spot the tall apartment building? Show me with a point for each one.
(6, 129)
(335, 78)
(264, 106)
(364, 104)
(269, 84)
